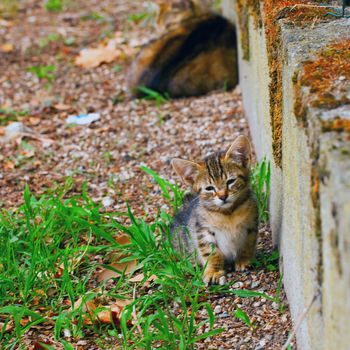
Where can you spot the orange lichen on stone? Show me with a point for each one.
(255, 12)
(273, 41)
(315, 186)
(297, 12)
(246, 8)
(243, 22)
(337, 124)
(300, 109)
(304, 14)
(326, 76)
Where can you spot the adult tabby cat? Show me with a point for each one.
(220, 220)
(193, 56)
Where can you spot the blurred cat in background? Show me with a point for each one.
(195, 53)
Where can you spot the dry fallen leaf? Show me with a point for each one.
(112, 312)
(141, 276)
(24, 321)
(61, 107)
(125, 267)
(90, 58)
(34, 120)
(88, 306)
(8, 165)
(123, 239)
(108, 314)
(40, 345)
(9, 326)
(6, 47)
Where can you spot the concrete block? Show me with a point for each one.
(310, 190)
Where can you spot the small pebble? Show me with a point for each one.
(237, 285)
(217, 309)
(255, 284)
(107, 201)
(224, 315)
(82, 342)
(275, 305)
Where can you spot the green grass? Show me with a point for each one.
(50, 38)
(8, 115)
(149, 94)
(93, 16)
(138, 17)
(54, 5)
(269, 262)
(48, 246)
(44, 72)
(260, 181)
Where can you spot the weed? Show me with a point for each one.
(281, 306)
(53, 37)
(93, 16)
(107, 157)
(10, 115)
(44, 72)
(54, 5)
(138, 17)
(241, 315)
(153, 95)
(117, 68)
(69, 41)
(269, 262)
(260, 180)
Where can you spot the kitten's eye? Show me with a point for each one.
(230, 182)
(210, 188)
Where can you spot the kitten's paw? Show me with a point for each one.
(241, 265)
(214, 277)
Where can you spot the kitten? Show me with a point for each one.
(219, 221)
(194, 56)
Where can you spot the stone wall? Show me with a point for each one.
(301, 122)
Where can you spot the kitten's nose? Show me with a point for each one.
(223, 196)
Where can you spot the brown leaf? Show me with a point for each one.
(7, 47)
(112, 312)
(34, 120)
(9, 326)
(90, 58)
(125, 267)
(141, 276)
(88, 306)
(24, 321)
(9, 165)
(39, 346)
(123, 239)
(61, 107)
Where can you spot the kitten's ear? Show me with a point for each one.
(240, 151)
(186, 169)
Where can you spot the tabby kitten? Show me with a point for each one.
(220, 220)
(194, 56)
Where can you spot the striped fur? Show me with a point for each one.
(193, 58)
(220, 220)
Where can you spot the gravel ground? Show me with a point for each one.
(108, 153)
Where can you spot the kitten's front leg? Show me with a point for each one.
(247, 252)
(213, 258)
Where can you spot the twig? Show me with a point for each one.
(299, 321)
(134, 311)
